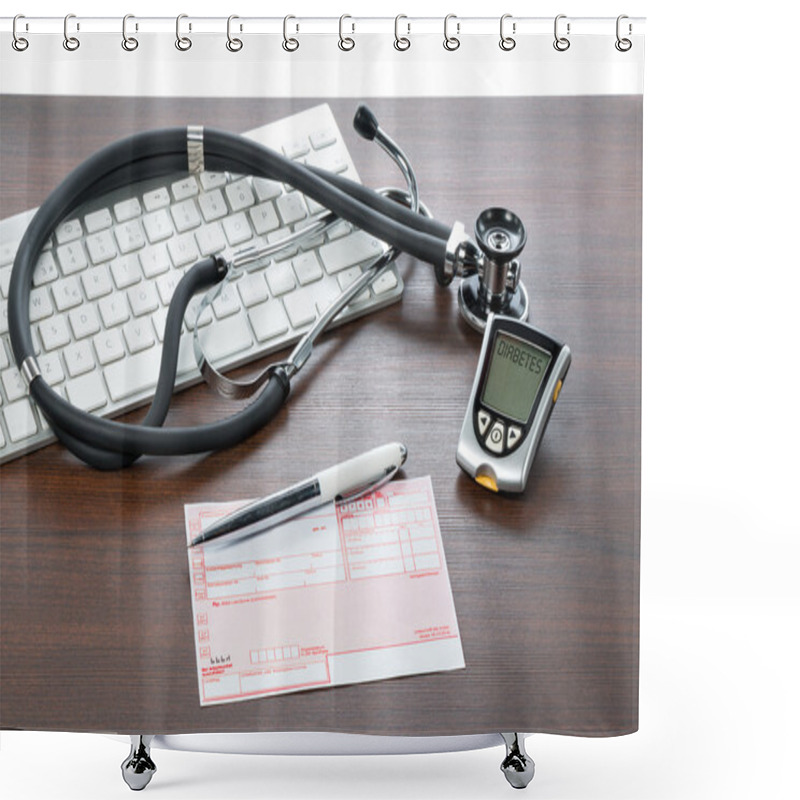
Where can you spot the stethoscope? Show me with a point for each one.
(489, 268)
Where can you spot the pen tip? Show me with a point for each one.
(403, 454)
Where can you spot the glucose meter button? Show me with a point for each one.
(514, 434)
(483, 422)
(494, 441)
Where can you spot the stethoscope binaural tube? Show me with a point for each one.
(106, 444)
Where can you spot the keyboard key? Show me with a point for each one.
(226, 303)
(307, 268)
(54, 332)
(143, 298)
(210, 239)
(40, 305)
(127, 209)
(84, 321)
(322, 138)
(237, 229)
(20, 421)
(158, 198)
(51, 368)
(280, 278)
(45, 270)
(240, 195)
(13, 384)
(266, 189)
(101, 247)
(98, 220)
(126, 271)
(130, 236)
(264, 218)
(226, 338)
(133, 375)
(269, 320)
(385, 283)
(158, 226)
(183, 250)
(79, 358)
(87, 392)
(185, 215)
(4, 360)
(186, 187)
(292, 208)
(212, 180)
(113, 310)
(154, 260)
(296, 147)
(300, 307)
(108, 346)
(167, 284)
(8, 250)
(349, 250)
(253, 289)
(139, 335)
(212, 205)
(72, 258)
(96, 282)
(67, 293)
(69, 231)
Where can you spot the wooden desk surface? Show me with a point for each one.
(95, 615)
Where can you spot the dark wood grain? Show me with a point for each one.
(95, 613)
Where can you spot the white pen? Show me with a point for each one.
(345, 481)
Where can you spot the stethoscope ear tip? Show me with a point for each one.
(365, 123)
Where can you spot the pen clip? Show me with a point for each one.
(369, 486)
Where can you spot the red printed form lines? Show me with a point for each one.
(343, 595)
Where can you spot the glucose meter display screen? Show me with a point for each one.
(516, 371)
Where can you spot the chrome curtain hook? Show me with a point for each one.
(623, 44)
(182, 42)
(401, 42)
(451, 42)
(561, 43)
(507, 42)
(233, 44)
(290, 44)
(129, 43)
(70, 42)
(19, 43)
(346, 42)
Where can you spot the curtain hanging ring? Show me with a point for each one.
(346, 42)
(561, 43)
(401, 42)
(623, 44)
(129, 43)
(182, 42)
(233, 44)
(290, 44)
(70, 42)
(19, 43)
(507, 42)
(451, 42)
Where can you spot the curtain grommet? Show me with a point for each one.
(129, 43)
(561, 43)
(71, 43)
(507, 43)
(290, 43)
(183, 43)
(19, 43)
(401, 43)
(451, 43)
(234, 44)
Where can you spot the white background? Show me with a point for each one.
(720, 602)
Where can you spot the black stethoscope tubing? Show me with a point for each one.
(106, 444)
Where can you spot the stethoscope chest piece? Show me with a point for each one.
(495, 288)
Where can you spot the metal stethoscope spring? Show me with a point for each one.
(489, 269)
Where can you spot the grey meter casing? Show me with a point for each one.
(516, 386)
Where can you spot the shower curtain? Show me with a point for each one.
(540, 116)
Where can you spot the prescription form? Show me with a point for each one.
(345, 594)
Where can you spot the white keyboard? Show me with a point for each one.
(103, 285)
